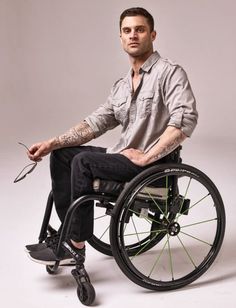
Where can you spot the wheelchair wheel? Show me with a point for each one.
(185, 229)
(50, 270)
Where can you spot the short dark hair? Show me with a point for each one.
(138, 11)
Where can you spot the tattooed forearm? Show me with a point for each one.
(169, 140)
(76, 136)
(169, 148)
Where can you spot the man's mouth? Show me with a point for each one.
(133, 44)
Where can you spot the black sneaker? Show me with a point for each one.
(47, 256)
(49, 241)
(35, 247)
(77, 254)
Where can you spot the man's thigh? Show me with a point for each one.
(66, 155)
(105, 166)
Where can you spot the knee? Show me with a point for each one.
(82, 161)
(56, 156)
(79, 159)
(61, 157)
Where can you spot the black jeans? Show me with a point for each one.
(72, 173)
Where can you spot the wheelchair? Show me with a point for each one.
(164, 228)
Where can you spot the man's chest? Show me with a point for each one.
(139, 100)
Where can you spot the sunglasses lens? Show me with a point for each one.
(27, 169)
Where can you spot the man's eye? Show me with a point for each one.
(140, 30)
(126, 31)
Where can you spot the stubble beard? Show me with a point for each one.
(140, 52)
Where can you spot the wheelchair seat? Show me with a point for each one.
(114, 188)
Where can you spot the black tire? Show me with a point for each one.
(100, 246)
(189, 253)
(86, 293)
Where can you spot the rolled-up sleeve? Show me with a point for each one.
(103, 118)
(180, 101)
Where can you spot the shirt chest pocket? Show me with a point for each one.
(145, 101)
(120, 109)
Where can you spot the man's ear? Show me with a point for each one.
(153, 35)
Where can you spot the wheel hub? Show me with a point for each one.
(173, 228)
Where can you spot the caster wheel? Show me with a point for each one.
(86, 293)
(50, 269)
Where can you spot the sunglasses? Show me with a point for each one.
(27, 169)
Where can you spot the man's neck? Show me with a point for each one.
(137, 62)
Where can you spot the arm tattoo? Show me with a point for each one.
(170, 147)
(76, 136)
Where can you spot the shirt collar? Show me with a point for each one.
(147, 65)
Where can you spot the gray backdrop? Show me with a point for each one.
(58, 61)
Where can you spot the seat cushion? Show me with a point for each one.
(115, 188)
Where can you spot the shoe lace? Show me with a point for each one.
(52, 241)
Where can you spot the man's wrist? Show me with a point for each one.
(147, 159)
(55, 143)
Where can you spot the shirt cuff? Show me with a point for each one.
(96, 130)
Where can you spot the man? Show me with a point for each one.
(154, 104)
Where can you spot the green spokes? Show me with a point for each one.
(144, 232)
(186, 191)
(188, 254)
(159, 208)
(194, 237)
(170, 258)
(157, 259)
(148, 243)
(136, 232)
(193, 205)
(198, 223)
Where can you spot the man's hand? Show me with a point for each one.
(136, 156)
(40, 149)
(169, 140)
(75, 136)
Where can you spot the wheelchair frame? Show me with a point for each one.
(163, 218)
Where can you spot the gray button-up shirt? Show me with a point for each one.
(163, 98)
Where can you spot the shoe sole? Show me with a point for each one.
(65, 262)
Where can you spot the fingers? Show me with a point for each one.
(37, 151)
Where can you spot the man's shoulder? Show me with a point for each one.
(119, 82)
(119, 87)
(167, 63)
(168, 67)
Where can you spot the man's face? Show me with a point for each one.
(136, 37)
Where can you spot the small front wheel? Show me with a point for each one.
(86, 293)
(50, 269)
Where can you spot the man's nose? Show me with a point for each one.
(133, 35)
